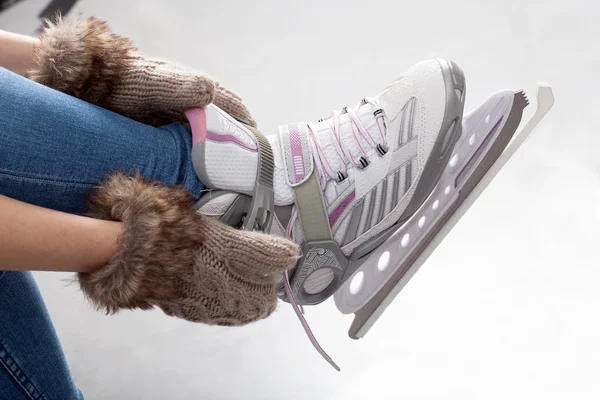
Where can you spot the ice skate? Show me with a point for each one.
(368, 191)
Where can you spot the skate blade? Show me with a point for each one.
(482, 166)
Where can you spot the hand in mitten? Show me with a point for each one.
(187, 264)
(83, 58)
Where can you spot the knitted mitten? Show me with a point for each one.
(189, 265)
(83, 58)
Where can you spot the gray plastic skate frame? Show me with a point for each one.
(463, 180)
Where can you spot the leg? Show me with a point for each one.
(54, 148)
(32, 363)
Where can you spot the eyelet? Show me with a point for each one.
(364, 163)
(382, 149)
(342, 176)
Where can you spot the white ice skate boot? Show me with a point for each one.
(342, 185)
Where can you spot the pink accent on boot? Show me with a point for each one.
(197, 119)
(297, 154)
(230, 138)
(341, 208)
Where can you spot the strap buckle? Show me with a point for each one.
(260, 216)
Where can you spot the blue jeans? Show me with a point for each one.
(53, 149)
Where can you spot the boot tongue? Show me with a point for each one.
(349, 134)
(298, 162)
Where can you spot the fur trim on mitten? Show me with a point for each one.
(187, 264)
(83, 58)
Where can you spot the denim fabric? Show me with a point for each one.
(32, 362)
(53, 149)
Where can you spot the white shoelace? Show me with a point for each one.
(342, 150)
(326, 173)
(300, 313)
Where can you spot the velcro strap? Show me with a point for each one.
(311, 210)
(297, 158)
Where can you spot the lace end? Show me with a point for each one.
(299, 312)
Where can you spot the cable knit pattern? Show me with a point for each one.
(85, 59)
(189, 265)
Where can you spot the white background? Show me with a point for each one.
(506, 308)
